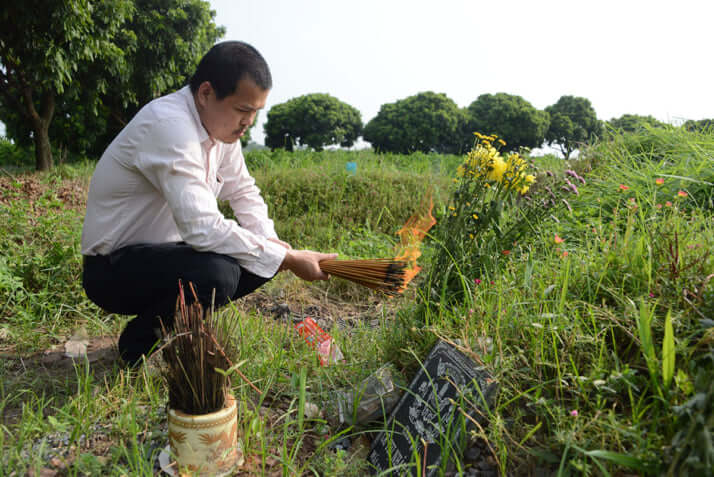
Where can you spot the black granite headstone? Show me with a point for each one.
(426, 423)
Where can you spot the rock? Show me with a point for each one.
(311, 410)
(76, 346)
(281, 310)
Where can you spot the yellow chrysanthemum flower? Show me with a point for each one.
(498, 167)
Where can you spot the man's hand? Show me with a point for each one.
(306, 264)
(281, 243)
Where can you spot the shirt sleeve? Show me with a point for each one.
(243, 195)
(170, 158)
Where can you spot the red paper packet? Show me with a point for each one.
(318, 339)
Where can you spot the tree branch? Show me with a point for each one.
(27, 94)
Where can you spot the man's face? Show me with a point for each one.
(229, 118)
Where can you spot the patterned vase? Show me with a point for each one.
(206, 444)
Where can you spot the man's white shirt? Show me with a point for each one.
(158, 182)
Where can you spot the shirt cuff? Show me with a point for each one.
(270, 260)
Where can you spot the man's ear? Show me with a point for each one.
(205, 90)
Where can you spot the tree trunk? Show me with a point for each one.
(43, 151)
(41, 126)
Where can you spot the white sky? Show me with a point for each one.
(627, 56)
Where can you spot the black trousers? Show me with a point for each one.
(143, 280)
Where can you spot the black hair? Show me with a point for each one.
(227, 63)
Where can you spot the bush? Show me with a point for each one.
(426, 122)
(313, 120)
(13, 155)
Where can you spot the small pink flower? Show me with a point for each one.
(659, 206)
(659, 181)
(651, 295)
(477, 281)
(681, 193)
(492, 282)
(565, 254)
(668, 204)
(558, 239)
(506, 252)
(574, 413)
(623, 187)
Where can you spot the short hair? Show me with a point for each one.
(227, 63)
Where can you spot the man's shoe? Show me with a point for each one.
(138, 339)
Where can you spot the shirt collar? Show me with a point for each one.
(191, 102)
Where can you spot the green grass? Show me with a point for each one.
(619, 329)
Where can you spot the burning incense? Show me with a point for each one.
(383, 274)
(389, 275)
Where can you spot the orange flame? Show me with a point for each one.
(411, 235)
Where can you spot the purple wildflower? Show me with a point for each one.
(572, 187)
(567, 205)
(575, 175)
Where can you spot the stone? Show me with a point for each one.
(428, 410)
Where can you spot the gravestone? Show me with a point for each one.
(427, 420)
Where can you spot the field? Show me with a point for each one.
(597, 322)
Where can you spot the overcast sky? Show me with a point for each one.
(627, 56)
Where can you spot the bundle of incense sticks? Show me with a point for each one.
(384, 274)
(389, 275)
(197, 347)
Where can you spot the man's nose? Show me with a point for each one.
(248, 119)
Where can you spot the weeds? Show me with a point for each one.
(603, 354)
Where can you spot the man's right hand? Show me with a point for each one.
(306, 264)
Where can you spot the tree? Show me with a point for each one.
(510, 117)
(572, 122)
(315, 120)
(161, 43)
(51, 51)
(165, 41)
(424, 122)
(634, 123)
(701, 125)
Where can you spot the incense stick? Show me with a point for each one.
(200, 344)
(383, 274)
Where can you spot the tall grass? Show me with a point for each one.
(588, 332)
(602, 343)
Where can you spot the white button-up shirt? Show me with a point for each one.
(158, 182)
